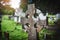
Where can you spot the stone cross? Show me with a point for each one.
(28, 20)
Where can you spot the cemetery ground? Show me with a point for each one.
(17, 33)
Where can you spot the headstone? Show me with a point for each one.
(31, 30)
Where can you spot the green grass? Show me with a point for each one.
(15, 31)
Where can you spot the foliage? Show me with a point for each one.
(18, 34)
(45, 31)
(51, 19)
(24, 7)
(8, 25)
(5, 17)
(15, 31)
(7, 10)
